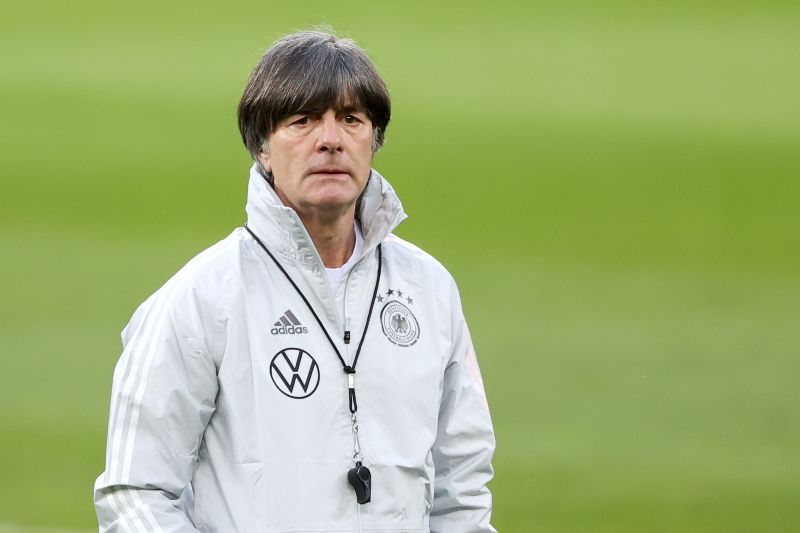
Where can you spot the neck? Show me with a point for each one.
(333, 238)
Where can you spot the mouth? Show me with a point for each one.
(328, 170)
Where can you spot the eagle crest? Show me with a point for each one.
(399, 323)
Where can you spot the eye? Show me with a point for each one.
(351, 119)
(302, 121)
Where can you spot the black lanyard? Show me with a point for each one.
(359, 476)
(348, 369)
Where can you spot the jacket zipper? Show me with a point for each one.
(346, 333)
(346, 336)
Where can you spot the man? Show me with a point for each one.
(311, 372)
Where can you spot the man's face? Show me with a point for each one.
(320, 161)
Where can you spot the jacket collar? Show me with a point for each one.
(282, 231)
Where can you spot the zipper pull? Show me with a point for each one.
(347, 337)
(351, 393)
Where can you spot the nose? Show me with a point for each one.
(330, 139)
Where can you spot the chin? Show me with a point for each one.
(332, 197)
(331, 201)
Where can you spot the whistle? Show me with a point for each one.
(361, 481)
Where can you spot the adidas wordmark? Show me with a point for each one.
(288, 325)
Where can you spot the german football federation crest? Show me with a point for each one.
(397, 321)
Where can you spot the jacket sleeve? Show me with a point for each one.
(464, 444)
(163, 395)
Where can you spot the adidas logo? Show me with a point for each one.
(288, 325)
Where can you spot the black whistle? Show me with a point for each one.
(361, 481)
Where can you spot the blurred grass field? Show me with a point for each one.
(614, 185)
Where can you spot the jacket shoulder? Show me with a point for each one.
(415, 260)
(202, 279)
(212, 267)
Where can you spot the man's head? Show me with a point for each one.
(310, 71)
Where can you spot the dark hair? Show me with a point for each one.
(310, 71)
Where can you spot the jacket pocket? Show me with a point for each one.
(400, 499)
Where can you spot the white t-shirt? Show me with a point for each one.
(335, 275)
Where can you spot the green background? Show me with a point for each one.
(613, 184)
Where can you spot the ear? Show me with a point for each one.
(264, 159)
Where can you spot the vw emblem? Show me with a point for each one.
(399, 324)
(294, 372)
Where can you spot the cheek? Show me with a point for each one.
(281, 161)
(364, 151)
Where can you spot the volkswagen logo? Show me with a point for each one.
(295, 373)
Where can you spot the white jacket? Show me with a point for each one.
(229, 409)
